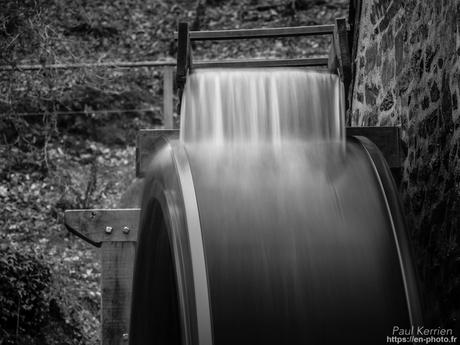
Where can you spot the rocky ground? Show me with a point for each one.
(49, 162)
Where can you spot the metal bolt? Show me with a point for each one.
(125, 336)
(108, 229)
(125, 229)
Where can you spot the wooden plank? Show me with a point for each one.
(354, 18)
(344, 58)
(387, 139)
(168, 100)
(183, 60)
(254, 63)
(260, 33)
(97, 225)
(332, 63)
(145, 145)
(183, 51)
(116, 285)
(166, 64)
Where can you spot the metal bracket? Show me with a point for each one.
(97, 225)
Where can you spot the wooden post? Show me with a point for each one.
(168, 121)
(116, 287)
(115, 232)
(183, 59)
(387, 140)
(340, 42)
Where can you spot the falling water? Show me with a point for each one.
(256, 106)
(298, 243)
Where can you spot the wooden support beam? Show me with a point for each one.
(183, 60)
(168, 98)
(342, 51)
(117, 263)
(183, 55)
(387, 140)
(98, 225)
(312, 30)
(256, 63)
(332, 63)
(115, 231)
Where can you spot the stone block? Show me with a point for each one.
(403, 81)
(378, 9)
(427, 127)
(399, 52)
(385, 121)
(434, 92)
(371, 92)
(370, 118)
(355, 117)
(413, 112)
(429, 56)
(387, 102)
(424, 31)
(425, 103)
(391, 13)
(415, 63)
(440, 62)
(446, 102)
(387, 40)
(371, 57)
(388, 72)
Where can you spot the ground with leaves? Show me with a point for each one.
(50, 163)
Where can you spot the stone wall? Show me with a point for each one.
(407, 73)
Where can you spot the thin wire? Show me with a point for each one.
(119, 64)
(83, 112)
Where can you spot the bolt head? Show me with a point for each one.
(125, 229)
(108, 229)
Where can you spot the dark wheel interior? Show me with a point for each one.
(155, 310)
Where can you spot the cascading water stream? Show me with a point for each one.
(262, 107)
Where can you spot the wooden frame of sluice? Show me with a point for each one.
(114, 231)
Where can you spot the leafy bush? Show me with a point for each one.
(24, 285)
(29, 314)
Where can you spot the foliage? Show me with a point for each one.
(24, 284)
(28, 306)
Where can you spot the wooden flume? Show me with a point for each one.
(338, 61)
